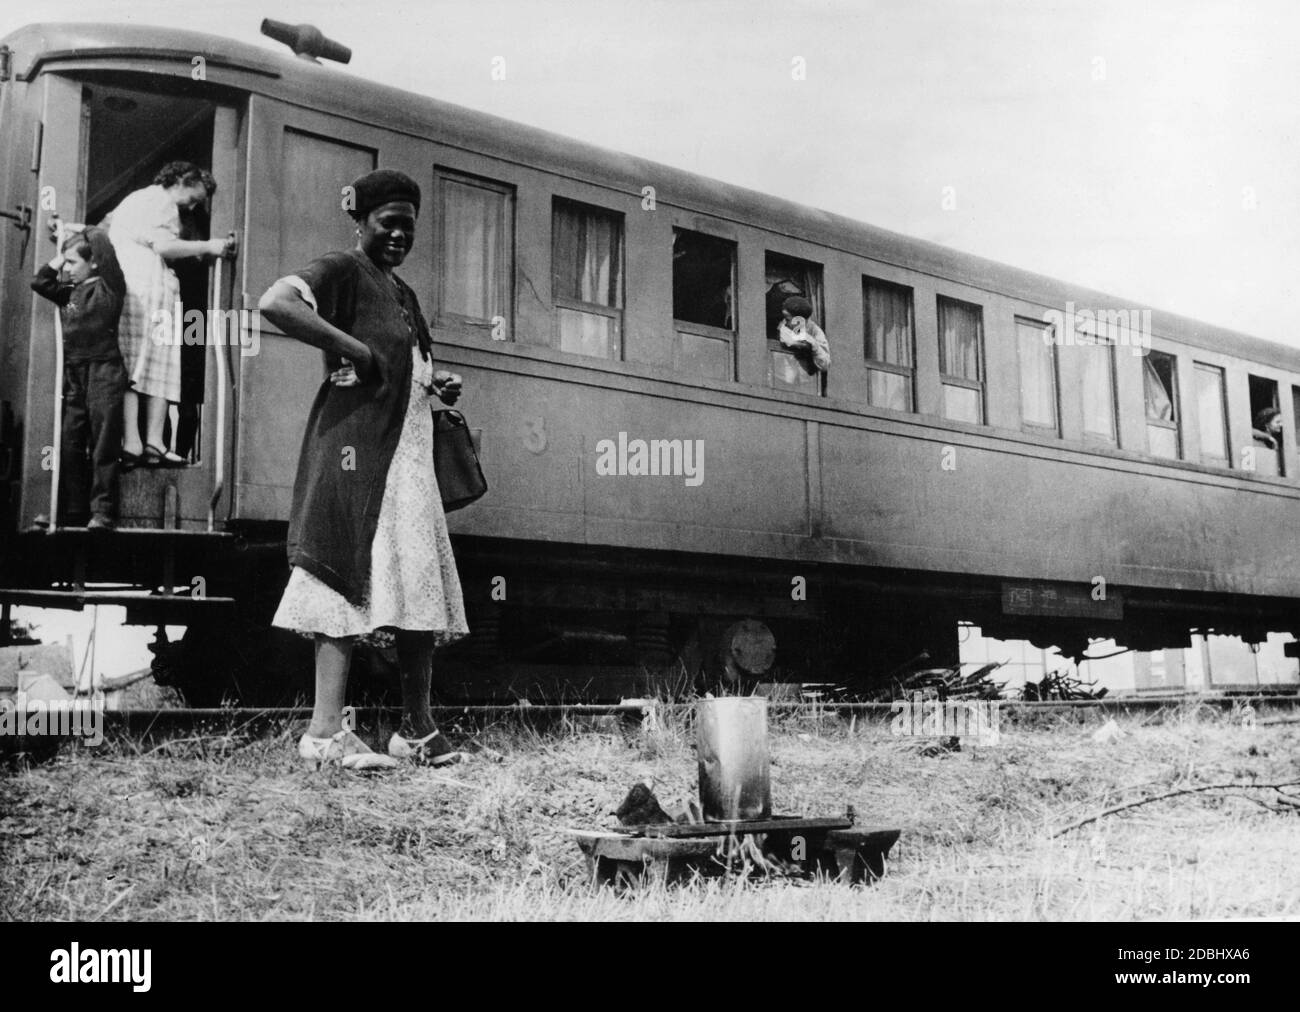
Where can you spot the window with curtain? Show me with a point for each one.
(1161, 395)
(786, 276)
(1211, 414)
(1037, 351)
(587, 278)
(890, 344)
(475, 251)
(1098, 389)
(961, 354)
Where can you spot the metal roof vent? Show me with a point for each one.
(306, 41)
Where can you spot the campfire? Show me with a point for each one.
(731, 828)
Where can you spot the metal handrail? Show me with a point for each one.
(223, 379)
(58, 394)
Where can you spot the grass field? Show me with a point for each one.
(233, 828)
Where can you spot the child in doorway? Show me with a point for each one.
(802, 336)
(86, 283)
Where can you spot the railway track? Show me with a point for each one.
(162, 722)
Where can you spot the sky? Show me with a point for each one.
(1150, 151)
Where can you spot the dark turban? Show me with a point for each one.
(383, 186)
(797, 305)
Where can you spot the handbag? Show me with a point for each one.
(455, 461)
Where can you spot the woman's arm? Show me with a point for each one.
(182, 249)
(285, 308)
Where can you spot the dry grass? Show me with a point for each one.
(233, 828)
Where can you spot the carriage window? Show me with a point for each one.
(1266, 423)
(1038, 403)
(890, 342)
(587, 278)
(475, 250)
(961, 353)
(1212, 414)
(1161, 395)
(704, 285)
(1098, 386)
(785, 277)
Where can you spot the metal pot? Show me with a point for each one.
(735, 775)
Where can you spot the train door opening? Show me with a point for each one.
(106, 137)
(128, 136)
(1266, 424)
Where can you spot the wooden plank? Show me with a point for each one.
(741, 827)
(619, 848)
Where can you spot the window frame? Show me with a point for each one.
(594, 308)
(1213, 461)
(947, 379)
(908, 372)
(774, 345)
(1274, 385)
(1174, 399)
(443, 319)
(704, 329)
(1112, 385)
(1052, 347)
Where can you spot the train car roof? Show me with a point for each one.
(309, 84)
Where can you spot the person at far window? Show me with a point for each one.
(1268, 428)
(798, 332)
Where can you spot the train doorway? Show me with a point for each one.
(111, 135)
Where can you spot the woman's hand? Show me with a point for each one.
(345, 375)
(349, 375)
(226, 247)
(447, 385)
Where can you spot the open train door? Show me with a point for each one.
(56, 165)
(99, 140)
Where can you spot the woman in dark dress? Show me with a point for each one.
(367, 536)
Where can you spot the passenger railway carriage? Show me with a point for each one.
(970, 455)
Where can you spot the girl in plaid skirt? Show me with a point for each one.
(145, 230)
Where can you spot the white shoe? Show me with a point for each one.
(433, 749)
(344, 748)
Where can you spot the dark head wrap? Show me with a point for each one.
(93, 244)
(383, 186)
(797, 305)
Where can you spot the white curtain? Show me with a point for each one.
(475, 251)
(588, 256)
(960, 326)
(889, 324)
(1160, 402)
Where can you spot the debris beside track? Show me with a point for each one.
(1060, 685)
(944, 684)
